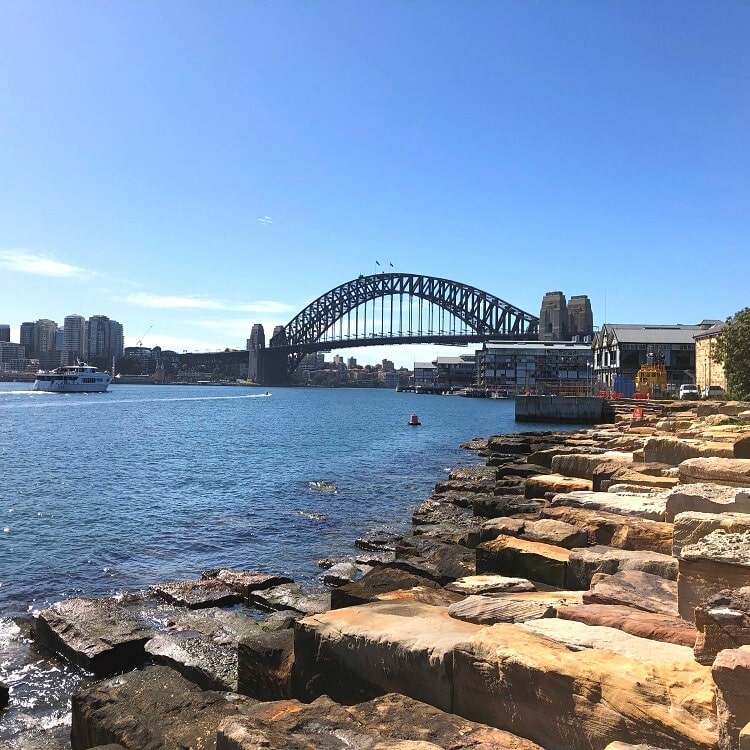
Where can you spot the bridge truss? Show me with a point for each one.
(400, 308)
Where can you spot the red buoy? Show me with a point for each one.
(414, 420)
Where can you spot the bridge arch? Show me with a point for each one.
(483, 315)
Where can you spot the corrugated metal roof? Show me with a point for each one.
(425, 366)
(630, 333)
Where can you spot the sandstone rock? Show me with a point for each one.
(628, 746)
(511, 486)
(706, 498)
(584, 563)
(480, 472)
(350, 654)
(578, 636)
(290, 596)
(545, 456)
(490, 585)
(96, 634)
(503, 505)
(476, 444)
(716, 562)
(635, 589)
(375, 583)
(439, 511)
(509, 444)
(646, 505)
(723, 622)
(210, 592)
(154, 708)
(731, 673)
(441, 562)
(210, 665)
(543, 563)
(655, 627)
(379, 541)
(690, 527)
(495, 527)
(488, 609)
(539, 486)
(614, 530)
(582, 465)
(632, 476)
(264, 665)
(741, 447)
(583, 700)
(558, 533)
(523, 470)
(464, 486)
(733, 472)
(391, 722)
(245, 581)
(669, 450)
(447, 533)
(436, 597)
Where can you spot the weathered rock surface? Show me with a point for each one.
(154, 708)
(655, 627)
(245, 581)
(390, 722)
(434, 559)
(4, 695)
(584, 563)
(722, 622)
(545, 456)
(211, 592)
(488, 609)
(96, 634)
(733, 472)
(264, 665)
(290, 596)
(706, 498)
(510, 556)
(691, 526)
(731, 673)
(540, 485)
(634, 477)
(342, 573)
(583, 700)
(614, 530)
(488, 584)
(557, 533)
(647, 505)
(718, 561)
(350, 654)
(377, 582)
(499, 506)
(669, 450)
(635, 589)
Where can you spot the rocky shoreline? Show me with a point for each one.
(579, 590)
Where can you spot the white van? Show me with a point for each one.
(713, 391)
(690, 391)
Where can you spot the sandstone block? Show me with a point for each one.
(488, 584)
(150, 708)
(669, 450)
(731, 673)
(584, 699)
(723, 622)
(96, 634)
(245, 581)
(379, 581)
(655, 627)
(210, 592)
(552, 531)
(500, 506)
(290, 596)
(379, 647)
(691, 526)
(487, 609)
(584, 563)
(264, 665)
(543, 563)
(434, 559)
(614, 530)
(636, 478)
(647, 505)
(635, 589)
(741, 447)
(582, 465)
(545, 456)
(539, 486)
(706, 498)
(495, 527)
(733, 472)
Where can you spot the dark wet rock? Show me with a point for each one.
(583, 564)
(635, 589)
(96, 634)
(434, 559)
(509, 487)
(210, 665)
(291, 596)
(467, 536)
(264, 665)
(489, 506)
(651, 625)
(245, 581)
(464, 486)
(391, 722)
(722, 622)
(376, 583)
(437, 511)
(741, 447)
(4, 695)
(378, 541)
(154, 708)
(522, 470)
(341, 573)
(509, 444)
(376, 558)
(476, 444)
(212, 592)
(480, 473)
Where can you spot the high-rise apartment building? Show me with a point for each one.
(104, 337)
(74, 345)
(43, 343)
(26, 338)
(4, 333)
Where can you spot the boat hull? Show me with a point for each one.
(59, 386)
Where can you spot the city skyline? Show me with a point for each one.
(234, 162)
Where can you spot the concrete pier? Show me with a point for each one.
(559, 409)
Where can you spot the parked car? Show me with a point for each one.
(713, 391)
(690, 391)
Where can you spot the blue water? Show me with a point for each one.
(110, 493)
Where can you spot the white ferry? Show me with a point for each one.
(78, 378)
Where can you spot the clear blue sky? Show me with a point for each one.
(200, 166)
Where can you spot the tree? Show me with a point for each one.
(733, 351)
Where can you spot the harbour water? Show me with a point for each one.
(108, 493)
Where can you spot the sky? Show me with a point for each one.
(191, 168)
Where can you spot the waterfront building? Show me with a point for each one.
(707, 370)
(546, 367)
(13, 357)
(455, 372)
(26, 338)
(74, 344)
(43, 343)
(4, 333)
(351, 363)
(425, 374)
(104, 337)
(621, 349)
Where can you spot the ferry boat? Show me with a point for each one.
(77, 378)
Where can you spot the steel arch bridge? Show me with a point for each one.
(392, 308)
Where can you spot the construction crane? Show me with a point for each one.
(140, 340)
